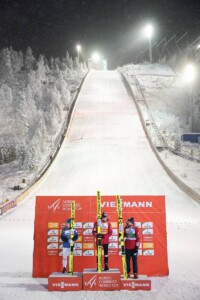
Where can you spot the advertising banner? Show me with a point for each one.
(52, 211)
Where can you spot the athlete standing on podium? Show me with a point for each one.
(132, 243)
(66, 238)
(106, 232)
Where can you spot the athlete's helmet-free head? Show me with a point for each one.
(131, 220)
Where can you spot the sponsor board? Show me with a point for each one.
(148, 252)
(78, 252)
(53, 232)
(113, 238)
(52, 246)
(101, 281)
(113, 245)
(53, 225)
(88, 225)
(88, 245)
(87, 232)
(128, 204)
(52, 211)
(88, 253)
(88, 238)
(147, 224)
(147, 245)
(147, 231)
(147, 238)
(52, 252)
(115, 231)
(64, 282)
(135, 285)
(78, 245)
(78, 225)
(53, 239)
(113, 252)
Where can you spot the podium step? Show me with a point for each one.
(142, 283)
(101, 281)
(63, 282)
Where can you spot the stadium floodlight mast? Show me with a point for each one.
(78, 48)
(189, 76)
(148, 31)
(189, 73)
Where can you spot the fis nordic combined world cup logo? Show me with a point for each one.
(55, 205)
(92, 282)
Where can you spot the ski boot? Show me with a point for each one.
(64, 270)
(135, 275)
(106, 268)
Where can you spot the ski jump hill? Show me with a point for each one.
(105, 149)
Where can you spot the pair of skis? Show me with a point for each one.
(99, 246)
(121, 234)
(71, 254)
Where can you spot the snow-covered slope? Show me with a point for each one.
(107, 150)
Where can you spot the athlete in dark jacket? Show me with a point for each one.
(132, 243)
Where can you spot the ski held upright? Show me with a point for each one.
(121, 234)
(71, 255)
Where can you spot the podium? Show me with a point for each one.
(101, 281)
(141, 283)
(92, 280)
(63, 282)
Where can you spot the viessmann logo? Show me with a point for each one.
(134, 285)
(92, 282)
(54, 206)
(63, 284)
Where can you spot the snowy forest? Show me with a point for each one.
(35, 96)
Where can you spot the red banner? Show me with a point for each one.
(52, 211)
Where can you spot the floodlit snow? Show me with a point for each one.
(105, 149)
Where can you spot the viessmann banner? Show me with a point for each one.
(52, 211)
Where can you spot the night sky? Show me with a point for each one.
(113, 27)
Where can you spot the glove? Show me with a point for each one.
(71, 241)
(100, 236)
(136, 250)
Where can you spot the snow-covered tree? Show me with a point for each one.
(6, 71)
(6, 96)
(29, 59)
(16, 60)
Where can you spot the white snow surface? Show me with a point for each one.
(105, 149)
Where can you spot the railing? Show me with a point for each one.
(164, 143)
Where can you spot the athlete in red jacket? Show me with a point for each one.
(132, 243)
(106, 232)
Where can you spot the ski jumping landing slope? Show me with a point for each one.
(105, 149)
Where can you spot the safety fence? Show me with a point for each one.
(140, 98)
